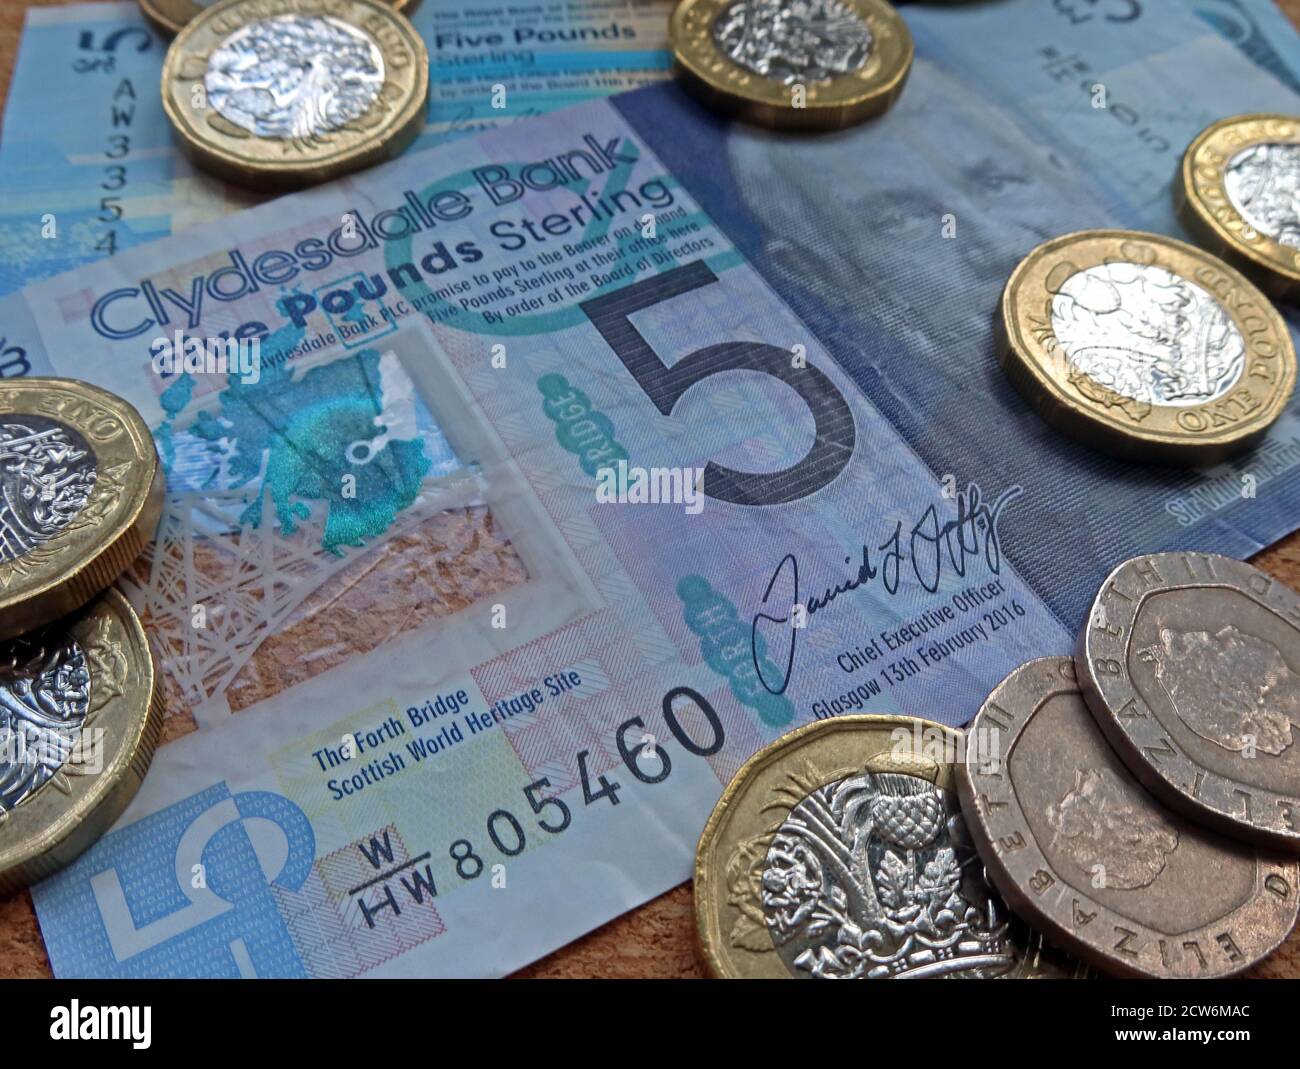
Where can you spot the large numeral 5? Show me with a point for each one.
(834, 430)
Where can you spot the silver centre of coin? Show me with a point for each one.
(294, 76)
(1263, 184)
(793, 40)
(44, 697)
(872, 876)
(47, 473)
(1147, 334)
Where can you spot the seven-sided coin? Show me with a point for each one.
(1083, 852)
(1191, 664)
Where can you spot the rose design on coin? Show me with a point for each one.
(294, 77)
(872, 876)
(44, 698)
(793, 40)
(1109, 833)
(1231, 688)
(792, 884)
(1263, 184)
(1146, 334)
(47, 473)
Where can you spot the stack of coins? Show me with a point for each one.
(280, 94)
(80, 713)
(1141, 804)
(1133, 809)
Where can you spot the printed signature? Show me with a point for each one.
(930, 548)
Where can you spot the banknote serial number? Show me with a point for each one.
(395, 883)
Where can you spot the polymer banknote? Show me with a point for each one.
(1256, 27)
(582, 457)
(88, 164)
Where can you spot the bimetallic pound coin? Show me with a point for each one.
(170, 16)
(1144, 347)
(1081, 851)
(79, 720)
(80, 494)
(839, 851)
(1191, 664)
(793, 64)
(1239, 196)
(284, 93)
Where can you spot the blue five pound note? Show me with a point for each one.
(531, 312)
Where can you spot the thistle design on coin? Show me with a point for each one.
(864, 879)
(80, 494)
(1146, 336)
(277, 93)
(1194, 675)
(802, 64)
(1238, 193)
(1263, 184)
(44, 698)
(295, 77)
(1144, 347)
(837, 852)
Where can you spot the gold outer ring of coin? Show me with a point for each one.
(839, 101)
(818, 754)
(393, 120)
(171, 16)
(1082, 408)
(117, 520)
(710, 875)
(66, 814)
(1204, 207)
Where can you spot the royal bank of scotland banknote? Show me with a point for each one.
(88, 164)
(87, 159)
(464, 690)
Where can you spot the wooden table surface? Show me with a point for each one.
(656, 940)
